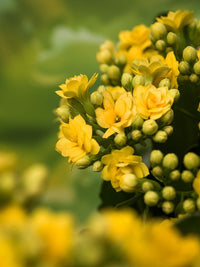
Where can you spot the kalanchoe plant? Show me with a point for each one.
(140, 127)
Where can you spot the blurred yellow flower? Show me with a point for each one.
(172, 63)
(121, 162)
(175, 21)
(7, 161)
(115, 91)
(76, 139)
(152, 102)
(116, 115)
(8, 253)
(196, 184)
(76, 86)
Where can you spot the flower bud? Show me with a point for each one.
(96, 98)
(172, 38)
(175, 175)
(184, 67)
(138, 80)
(156, 157)
(191, 161)
(168, 129)
(104, 56)
(160, 45)
(198, 203)
(129, 182)
(170, 161)
(121, 60)
(160, 137)
(101, 89)
(126, 81)
(187, 176)
(193, 78)
(103, 68)
(167, 207)
(167, 118)
(189, 205)
(151, 198)
(168, 193)
(196, 67)
(97, 166)
(7, 184)
(158, 30)
(157, 171)
(120, 139)
(108, 44)
(113, 72)
(63, 112)
(105, 79)
(149, 127)
(83, 163)
(99, 133)
(137, 122)
(136, 135)
(175, 94)
(165, 83)
(189, 54)
(147, 186)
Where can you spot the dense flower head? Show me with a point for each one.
(121, 162)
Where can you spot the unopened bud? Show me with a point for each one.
(136, 135)
(108, 44)
(187, 176)
(189, 205)
(63, 112)
(7, 184)
(120, 139)
(175, 94)
(167, 118)
(156, 157)
(160, 45)
(104, 56)
(101, 89)
(193, 78)
(83, 163)
(168, 193)
(138, 80)
(189, 54)
(157, 171)
(160, 137)
(165, 83)
(196, 67)
(97, 166)
(158, 30)
(172, 38)
(149, 127)
(191, 161)
(113, 72)
(103, 68)
(105, 79)
(137, 122)
(96, 98)
(126, 81)
(184, 67)
(151, 198)
(167, 207)
(175, 175)
(129, 182)
(122, 59)
(170, 161)
(168, 129)
(147, 186)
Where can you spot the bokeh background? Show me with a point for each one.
(42, 42)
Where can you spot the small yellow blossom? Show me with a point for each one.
(76, 139)
(121, 162)
(152, 102)
(116, 115)
(196, 184)
(76, 86)
(115, 91)
(172, 63)
(175, 21)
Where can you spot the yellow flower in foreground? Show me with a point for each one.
(76, 86)
(175, 21)
(116, 115)
(76, 139)
(152, 102)
(196, 184)
(115, 91)
(172, 63)
(121, 162)
(8, 253)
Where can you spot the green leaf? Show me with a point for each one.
(189, 224)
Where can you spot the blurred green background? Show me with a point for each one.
(42, 42)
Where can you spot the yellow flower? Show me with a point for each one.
(139, 36)
(116, 115)
(175, 21)
(76, 86)
(121, 162)
(172, 63)
(115, 91)
(152, 102)
(196, 184)
(76, 139)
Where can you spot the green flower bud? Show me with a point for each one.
(157, 171)
(187, 176)
(120, 139)
(137, 122)
(160, 137)
(167, 207)
(151, 198)
(97, 166)
(184, 67)
(189, 205)
(126, 81)
(149, 127)
(103, 68)
(129, 182)
(113, 72)
(156, 157)
(63, 112)
(196, 67)
(147, 186)
(198, 203)
(158, 30)
(189, 54)
(183, 78)
(193, 78)
(170, 161)
(105, 79)
(122, 59)
(136, 135)
(108, 44)
(138, 80)
(175, 175)
(160, 45)
(168, 129)
(104, 56)
(83, 163)
(169, 193)
(167, 118)
(168, 49)
(99, 133)
(165, 83)
(101, 89)
(96, 98)
(191, 161)
(175, 94)
(172, 38)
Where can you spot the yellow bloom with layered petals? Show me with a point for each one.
(116, 115)
(175, 21)
(76, 86)
(76, 139)
(121, 162)
(196, 184)
(172, 63)
(152, 102)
